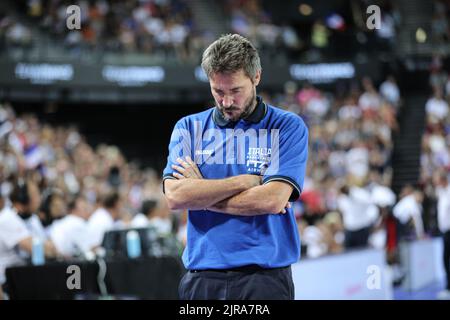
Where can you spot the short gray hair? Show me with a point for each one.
(230, 53)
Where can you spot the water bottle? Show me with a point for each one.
(133, 244)
(37, 252)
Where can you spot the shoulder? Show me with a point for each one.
(139, 220)
(7, 215)
(10, 220)
(285, 120)
(199, 116)
(100, 215)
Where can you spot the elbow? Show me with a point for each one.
(272, 205)
(173, 195)
(268, 206)
(276, 208)
(173, 201)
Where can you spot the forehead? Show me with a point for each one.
(229, 79)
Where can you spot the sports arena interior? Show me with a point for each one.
(89, 111)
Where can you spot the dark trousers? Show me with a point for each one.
(357, 238)
(247, 283)
(446, 257)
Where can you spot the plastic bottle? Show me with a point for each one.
(37, 252)
(133, 244)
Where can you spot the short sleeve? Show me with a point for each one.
(289, 154)
(179, 147)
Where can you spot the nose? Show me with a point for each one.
(227, 101)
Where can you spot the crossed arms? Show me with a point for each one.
(239, 195)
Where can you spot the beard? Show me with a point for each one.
(25, 215)
(248, 109)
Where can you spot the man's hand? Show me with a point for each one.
(288, 205)
(187, 170)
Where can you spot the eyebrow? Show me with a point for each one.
(232, 89)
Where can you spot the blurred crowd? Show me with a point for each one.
(347, 201)
(435, 154)
(57, 188)
(167, 28)
(154, 27)
(250, 19)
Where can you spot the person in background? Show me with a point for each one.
(104, 218)
(443, 208)
(148, 209)
(53, 208)
(15, 237)
(358, 215)
(31, 219)
(408, 212)
(154, 213)
(70, 234)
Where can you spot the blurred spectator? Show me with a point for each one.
(436, 107)
(52, 208)
(359, 215)
(369, 101)
(15, 237)
(390, 91)
(104, 218)
(70, 234)
(154, 213)
(443, 211)
(408, 212)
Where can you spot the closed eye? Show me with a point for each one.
(219, 92)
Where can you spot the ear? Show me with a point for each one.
(257, 78)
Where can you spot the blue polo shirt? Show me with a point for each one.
(269, 142)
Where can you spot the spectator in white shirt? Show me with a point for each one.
(370, 99)
(141, 220)
(436, 107)
(443, 211)
(408, 212)
(389, 91)
(70, 234)
(53, 208)
(104, 218)
(14, 234)
(384, 198)
(156, 214)
(31, 219)
(358, 213)
(160, 217)
(357, 160)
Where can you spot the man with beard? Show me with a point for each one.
(235, 167)
(15, 237)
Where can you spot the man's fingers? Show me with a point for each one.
(178, 176)
(194, 166)
(178, 168)
(288, 205)
(183, 163)
(191, 163)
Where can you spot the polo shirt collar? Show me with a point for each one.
(256, 116)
